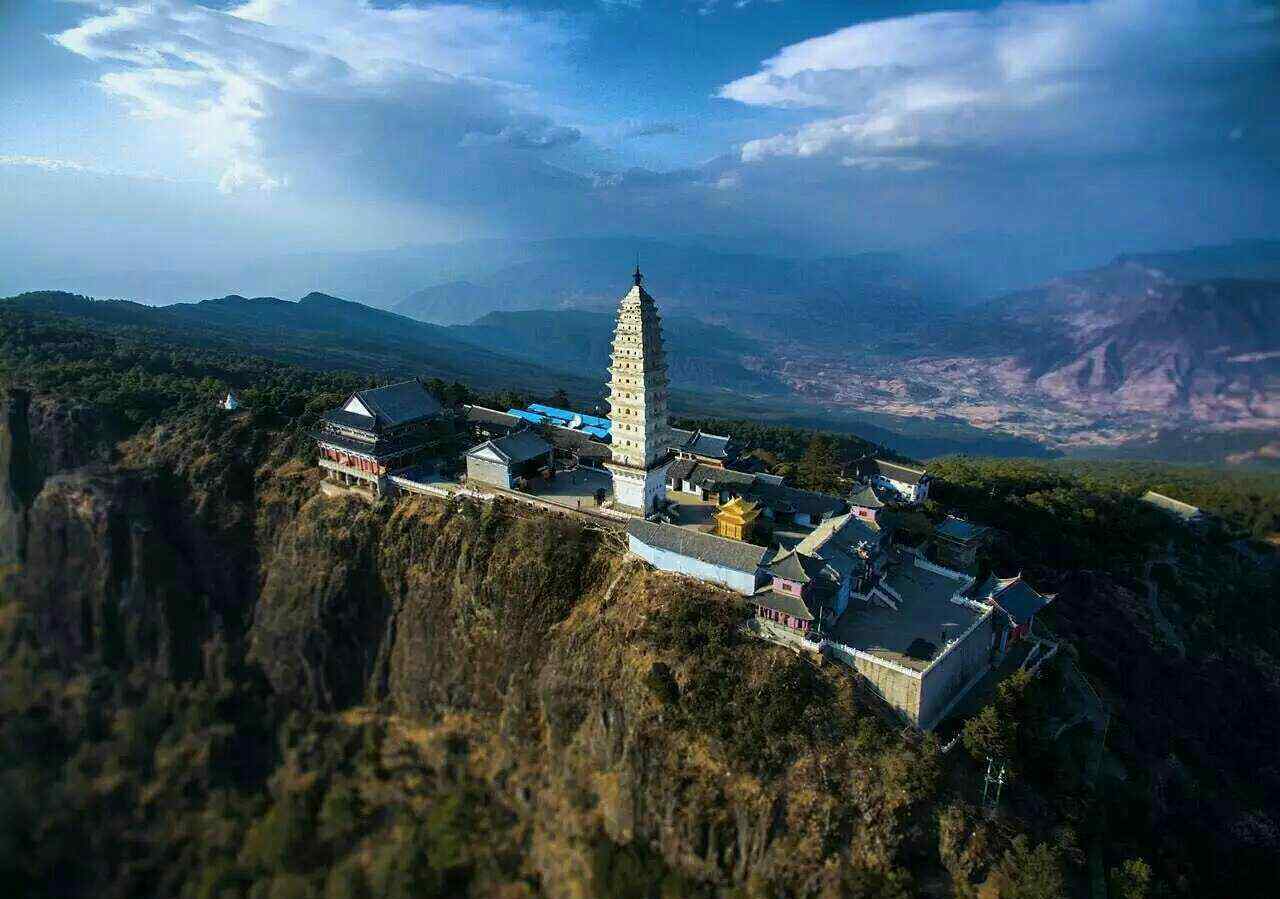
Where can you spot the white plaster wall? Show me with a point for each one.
(664, 560)
(962, 661)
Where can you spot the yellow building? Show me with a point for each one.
(736, 519)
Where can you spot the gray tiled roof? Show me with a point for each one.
(895, 471)
(584, 445)
(522, 446)
(713, 478)
(720, 551)
(397, 404)
(681, 469)
(516, 448)
(492, 417)
(795, 566)
(866, 497)
(1019, 599)
(393, 405)
(351, 420)
(712, 446)
(766, 490)
(783, 498)
(847, 529)
(959, 529)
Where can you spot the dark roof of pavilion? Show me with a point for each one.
(865, 496)
(961, 530)
(485, 416)
(1019, 600)
(796, 566)
(710, 446)
(392, 405)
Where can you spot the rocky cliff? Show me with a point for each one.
(596, 700)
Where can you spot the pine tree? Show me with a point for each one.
(820, 469)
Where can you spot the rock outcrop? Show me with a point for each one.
(528, 637)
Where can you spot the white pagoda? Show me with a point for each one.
(640, 434)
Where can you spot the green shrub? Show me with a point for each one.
(290, 886)
(346, 880)
(341, 814)
(282, 839)
(1025, 873)
(1131, 880)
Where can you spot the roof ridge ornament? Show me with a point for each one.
(637, 277)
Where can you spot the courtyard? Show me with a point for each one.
(574, 489)
(913, 634)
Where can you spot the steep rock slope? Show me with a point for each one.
(591, 692)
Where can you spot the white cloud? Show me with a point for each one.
(224, 76)
(52, 165)
(1105, 76)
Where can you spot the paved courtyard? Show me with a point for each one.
(573, 489)
(691, 512)
(913, 634)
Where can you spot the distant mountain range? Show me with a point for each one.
(319, 331)
(699, 356)
(589, 274)
(324, 332)
(457, 283)
(1130, 339)
(1178, 352)
(1249, 259)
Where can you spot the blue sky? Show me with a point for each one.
(172, 134)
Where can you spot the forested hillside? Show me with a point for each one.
(217, 683)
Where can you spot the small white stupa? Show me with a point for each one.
(231, 403)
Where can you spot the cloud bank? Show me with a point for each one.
(252, 85)
(1105, 78)
(1065, 132)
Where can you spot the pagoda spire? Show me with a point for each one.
(640, 435)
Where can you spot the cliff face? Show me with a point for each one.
(584, 706)
(40, 437)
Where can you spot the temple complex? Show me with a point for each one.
(639, 432)
(854, 577)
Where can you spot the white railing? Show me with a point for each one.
(347, 469)
(938, 569)
(868, 657)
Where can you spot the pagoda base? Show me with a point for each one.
(637, 491)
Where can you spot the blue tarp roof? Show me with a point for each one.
(601, 433)
(551, 411)
(527, 416)
(565, 417)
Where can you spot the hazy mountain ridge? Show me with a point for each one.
(318, 331)
(1111, 359)
(1128, 338)
(592, 274)
(1247, 259)
(698, 355)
